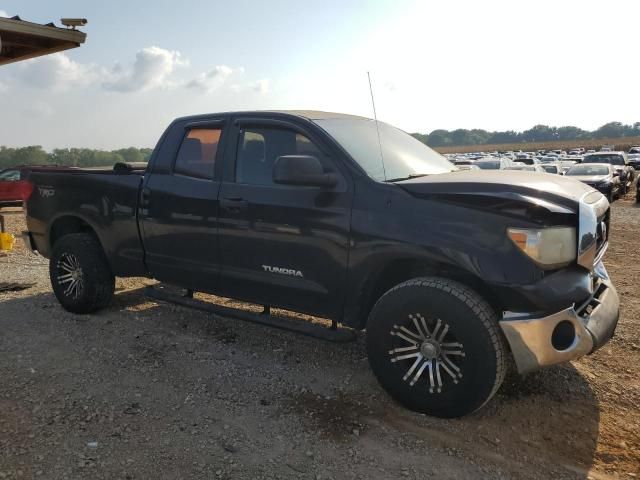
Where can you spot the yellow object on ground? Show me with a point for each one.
(6, 241)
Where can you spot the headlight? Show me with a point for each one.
(548, 247)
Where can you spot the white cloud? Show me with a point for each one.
(4, 14)
(57, 72)
(260, 86)
(210, 81)
(152, 68)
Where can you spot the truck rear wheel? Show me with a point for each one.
(80, 274)
(435, 346)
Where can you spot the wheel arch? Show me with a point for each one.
(395, 271)
(67, 224)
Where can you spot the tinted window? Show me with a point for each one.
(197, 154)
(258, 149)
(527, 161)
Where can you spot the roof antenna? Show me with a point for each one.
(375, 116)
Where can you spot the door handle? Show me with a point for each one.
(145, 196)
(234, 204)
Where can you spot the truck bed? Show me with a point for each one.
(105, 199)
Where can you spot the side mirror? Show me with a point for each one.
(616, 173)
(302, 170)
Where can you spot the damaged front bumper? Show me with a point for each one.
(537, 341)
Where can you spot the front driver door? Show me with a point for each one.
(282, 245)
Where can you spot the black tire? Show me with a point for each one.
(470, 321)
(610, 196)
(92, 287)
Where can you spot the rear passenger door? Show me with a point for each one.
(282, 245)
(179, 209)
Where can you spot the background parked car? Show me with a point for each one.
(13, 190)
(633, 160)
(619, 161)
(527, 161)
(565, 165)
(601, 176)
(494, 163)
(555, 168)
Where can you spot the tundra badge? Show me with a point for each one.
(283, 271)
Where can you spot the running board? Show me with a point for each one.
(337, 335)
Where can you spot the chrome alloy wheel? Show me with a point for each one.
(69, 275)
(434, 350)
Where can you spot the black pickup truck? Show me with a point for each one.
(455, 275)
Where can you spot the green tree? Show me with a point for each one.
(610, 130)
(439, 138)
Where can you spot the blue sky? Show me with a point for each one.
(496, 64)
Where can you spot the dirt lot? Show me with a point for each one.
(150, 390)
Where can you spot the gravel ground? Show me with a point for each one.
(151, 390)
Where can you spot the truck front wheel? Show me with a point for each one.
(435, 346)
(80, 274)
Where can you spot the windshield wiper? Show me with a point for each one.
(408, 177)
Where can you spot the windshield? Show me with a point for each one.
(612, 159)
(404, 156)
(489, 165)
(10, 175)
(527, 161)
(583, 169)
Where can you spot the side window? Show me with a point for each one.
(258, 149)
(197, 154)
(10, 176)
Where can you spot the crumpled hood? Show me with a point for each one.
(536, 189)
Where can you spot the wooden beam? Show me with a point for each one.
(8, 25)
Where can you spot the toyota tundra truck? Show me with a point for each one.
(455, 275)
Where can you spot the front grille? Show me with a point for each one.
(584, 310)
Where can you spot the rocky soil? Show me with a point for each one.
(150, 390)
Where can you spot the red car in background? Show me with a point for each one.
(15, 186)
(13, 189)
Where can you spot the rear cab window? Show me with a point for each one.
(197, 154)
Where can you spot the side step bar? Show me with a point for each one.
(337, 335)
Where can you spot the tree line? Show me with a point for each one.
(539, 133)
(70, 157)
